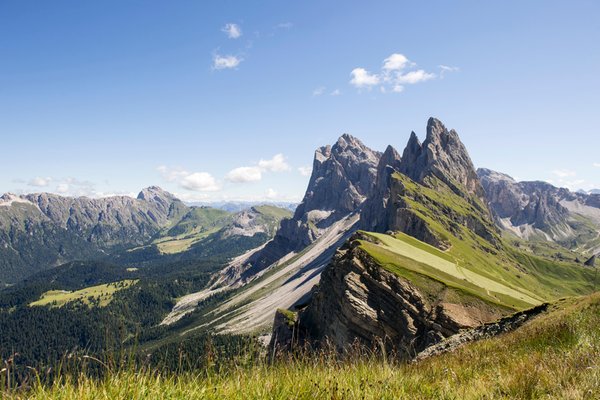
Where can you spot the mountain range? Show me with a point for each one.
(408, 248)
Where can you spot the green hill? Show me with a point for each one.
(553, 356)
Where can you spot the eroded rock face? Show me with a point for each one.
(359, 301)
(529, 207)
(111, 221)
(377, 213)
(443, 156)
(343, 176)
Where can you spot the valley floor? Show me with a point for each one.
(556, 355)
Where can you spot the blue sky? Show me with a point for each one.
(228, 100)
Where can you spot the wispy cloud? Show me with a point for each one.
(596, 165)
(564, 173)
(444, 69)
(284, 25)
(568, 179)
(233, 31)
(226, 62)
(255, 173)
(396, 72)
(319, 91)
(195, 181)
(40, 182)
(335, 92)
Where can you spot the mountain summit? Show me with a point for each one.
(442, 155)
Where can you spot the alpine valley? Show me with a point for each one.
(413, 252)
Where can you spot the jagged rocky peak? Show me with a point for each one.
(441, 155)
(528, 205)
(342, 177)
(155, 193)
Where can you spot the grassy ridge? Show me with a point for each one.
(445, 214)
(556, 355)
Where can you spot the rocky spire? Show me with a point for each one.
(375, 211)
(343, 176)
(442, 155)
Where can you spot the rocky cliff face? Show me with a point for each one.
(431, 193)
(539, 209)
(441, 155)
(440, 162)
(118, 221)
(358, 301)
(377, 212)
(343, 176)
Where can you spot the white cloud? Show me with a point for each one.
(395, 62)
(362, 78)
(226, 62)
(305, 171)
(40, 182)
(397, 71)
(413, 77)
(271, 194)
(335, 92)
(564, 173)
(275, 164)
(200, 181)
(284, 25)
(596, 165)
(319, 91)
(255, 173)
(233, 31)
(62, 188)
(196, 181)
(244, 174)
(445, 69)
(172, 174)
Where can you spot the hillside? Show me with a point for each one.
(555, 355)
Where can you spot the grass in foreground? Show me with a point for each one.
(556, 355)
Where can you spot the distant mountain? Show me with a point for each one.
(39, 231)
(539, 210)
(236, 206)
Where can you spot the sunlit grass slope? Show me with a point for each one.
(101, 295)
(555, 356)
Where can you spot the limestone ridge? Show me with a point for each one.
(441, 155)
(41, 230)
(358, 301)
(530, 209)
(343, 176)
(441, 160)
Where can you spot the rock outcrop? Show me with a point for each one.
(539, 208)
(485, 331)
(359, 301)
(591, 262)
(442, 155)
(343, 176)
